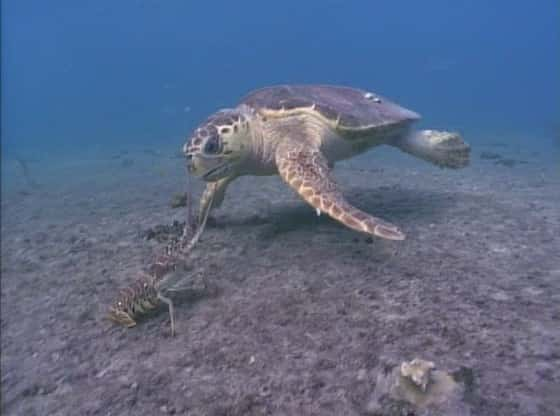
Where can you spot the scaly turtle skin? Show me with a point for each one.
(299, 132)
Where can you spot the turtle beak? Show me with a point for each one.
(190, 163)
(208, 168)
(191, 156)
(194, 165)
(190, 167)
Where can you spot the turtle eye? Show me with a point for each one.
(212, 145)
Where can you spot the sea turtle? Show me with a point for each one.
(299, 132)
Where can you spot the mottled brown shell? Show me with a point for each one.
(343, 108)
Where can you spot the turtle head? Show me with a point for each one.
(219, 145)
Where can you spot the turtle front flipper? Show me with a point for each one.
(213, 196)
(302, 165)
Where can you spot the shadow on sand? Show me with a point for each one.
(400, 206)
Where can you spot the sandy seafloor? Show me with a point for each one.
(301, 314)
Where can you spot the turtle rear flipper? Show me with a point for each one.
(305, 169)
(442, 148)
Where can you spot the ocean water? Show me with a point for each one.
(97, 100)
(102, 75)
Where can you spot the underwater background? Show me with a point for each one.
(281, 311)
(84, 76)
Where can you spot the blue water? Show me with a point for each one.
(110, 74)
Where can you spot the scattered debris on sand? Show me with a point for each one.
(510, 163)
(416, 387)
(501, 160)
(490, 155)
(162, 233)
(178, 200)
